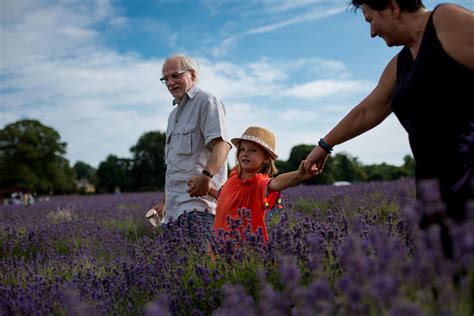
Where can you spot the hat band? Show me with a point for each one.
(257, 140)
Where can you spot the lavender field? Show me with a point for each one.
(351, 250)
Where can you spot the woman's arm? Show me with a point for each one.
(364, 116)
(368, 113)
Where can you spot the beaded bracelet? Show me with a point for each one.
(327, 148)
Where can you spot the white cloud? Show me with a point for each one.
(387, 142)
(223, 47)
(313, 14)
(287, 5)
(325, 88)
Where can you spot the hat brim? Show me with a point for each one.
(236, 141)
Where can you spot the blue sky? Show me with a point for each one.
(90, 69)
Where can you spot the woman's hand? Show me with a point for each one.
(303, 174)
(314, 162)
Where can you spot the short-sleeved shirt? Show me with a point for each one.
(192, 125)
(251, 194)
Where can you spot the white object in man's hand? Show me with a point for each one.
(155, 217)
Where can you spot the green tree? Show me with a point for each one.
(282, 166)
(31, 158)
(299, 152)
(114, 173)
(348, 168)
(383, 172)
(85, 172)
(408, 167)
(149, 168)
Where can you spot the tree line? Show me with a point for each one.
(32, 159)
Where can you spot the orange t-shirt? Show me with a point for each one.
(251, 194)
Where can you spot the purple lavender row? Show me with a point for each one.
(332, 250)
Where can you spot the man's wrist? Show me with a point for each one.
(207, 173)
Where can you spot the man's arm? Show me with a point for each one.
(220, 151)
(160, 209)
(202, 183)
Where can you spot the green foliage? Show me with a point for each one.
(145, 172)
(132, 228)
(149, 166)
(85, 172)
(309, 206)
(31, 158)
(299, 153)
(408, 167)
(386, 172)
(113, 174)
(382, 172)
(343, 167)
(348, 168)
(282, 166)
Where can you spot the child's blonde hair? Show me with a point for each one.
(266, 140)
(268, 166)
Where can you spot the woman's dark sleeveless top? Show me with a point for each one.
(434, 101)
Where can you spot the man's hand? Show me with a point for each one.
(314, 162)
(160, 209)
(199, 185)
(156, 214)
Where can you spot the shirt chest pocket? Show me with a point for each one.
(184, 140)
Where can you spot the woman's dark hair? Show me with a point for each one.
(379, 5)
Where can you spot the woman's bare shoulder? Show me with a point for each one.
(454, 25)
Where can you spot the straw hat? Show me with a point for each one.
(261, 136)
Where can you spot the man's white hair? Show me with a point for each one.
(186, 62)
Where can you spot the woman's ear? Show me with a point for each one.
(394, 8)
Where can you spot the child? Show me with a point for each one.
(249, 185)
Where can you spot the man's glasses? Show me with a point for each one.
(174, 76)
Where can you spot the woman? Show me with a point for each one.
(429, 85)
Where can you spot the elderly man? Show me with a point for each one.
(197, 145)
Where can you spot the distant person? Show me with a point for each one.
(250, 184)
(197, 145)
(27, 199)
(429, 86)
(24, 198)
(16, 198)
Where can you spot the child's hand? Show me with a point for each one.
(307, 175)
(191, 184)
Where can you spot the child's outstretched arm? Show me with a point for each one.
(292, 178)
(214, 192)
